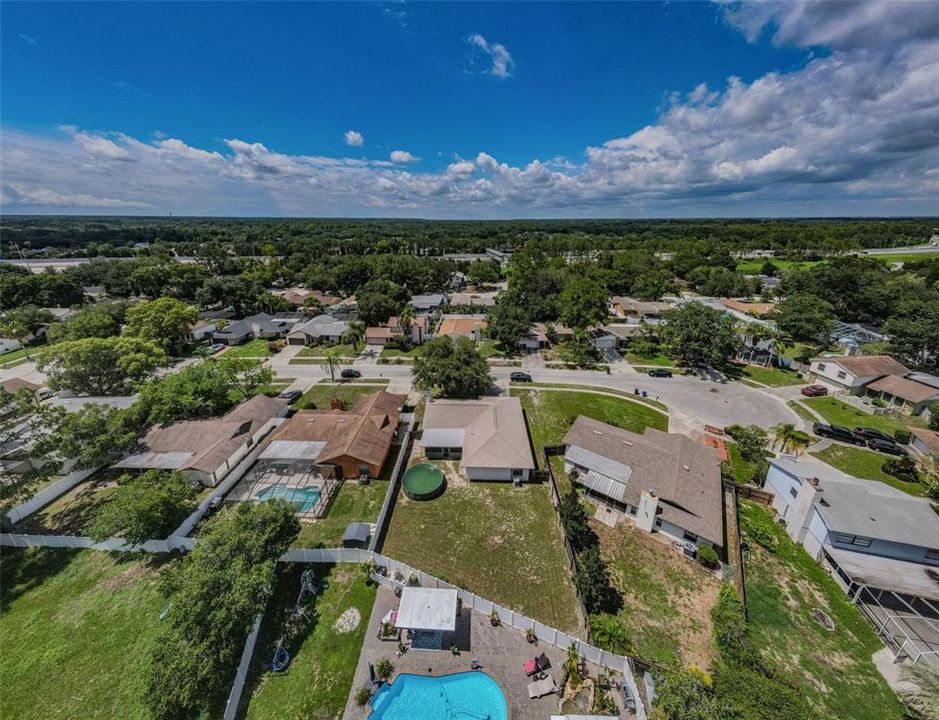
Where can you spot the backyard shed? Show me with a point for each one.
(356, 535)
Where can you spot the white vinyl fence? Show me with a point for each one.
(49, 494)
(237, 688)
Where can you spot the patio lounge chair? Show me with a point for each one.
(543, 662)
(540, 688)
(531, 667)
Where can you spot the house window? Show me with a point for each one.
(690, 536)
(658, 523)
(516, 473)
(632, 509)
(793, 492)
(858, 540)
(821, 366)
(932, 554)
(842, 374)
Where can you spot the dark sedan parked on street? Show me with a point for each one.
(520, 377)
(660, 372)
(872, 434)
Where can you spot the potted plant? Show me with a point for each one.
(402, 648)
(530, 635)
(362, 696)
(384, 668)
(455, 650)
(494, 618)
(413, 580)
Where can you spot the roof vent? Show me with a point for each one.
(597, 432)
(626, 442)
(687, 469)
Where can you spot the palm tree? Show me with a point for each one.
(331, 362)
(924, 697)
(355, 334)
(405, 318)
(788, 437)
(610, 634)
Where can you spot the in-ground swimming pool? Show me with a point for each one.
(463, 696)
(303, 499)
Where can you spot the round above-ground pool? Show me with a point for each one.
(423, 482)
(463, 696)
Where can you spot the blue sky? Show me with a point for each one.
(491, 110)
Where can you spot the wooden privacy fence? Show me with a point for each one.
(749, 492)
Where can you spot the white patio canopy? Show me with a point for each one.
(427, 609)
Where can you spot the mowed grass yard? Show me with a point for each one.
(772, 376)
(75, 629)
(864, 464)
(323, 660)
(353, 503)
(833, 670)
(256, 348)
(667, 599)
(323, 393)
(498, 541)
(839, 413)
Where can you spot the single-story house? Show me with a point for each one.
(664, 482)
(603, 341)
(346, 309)
(322, 328)
(379, 335)
(206, 450)
(261, 325)
(924, 441)
(637, 311)
(297, 296)
(200, 330)
(468, 326)
(851, 374)
(428, 303)
(473, 299)
(14, 385)
(488, 436)
(542, 335)
(356, 442)
(748, 307)
(866, 533)
(903, 393)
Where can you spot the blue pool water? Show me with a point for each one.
(302, 498)
(463, 696)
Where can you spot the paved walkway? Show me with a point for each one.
(501, 651)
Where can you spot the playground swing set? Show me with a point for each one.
(309, 587)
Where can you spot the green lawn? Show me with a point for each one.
(753, 266)
(321, 395)
(252, 348)
(593, 388)
(839, 413)
(388, 352)
(551, 413)
(832, 669)
(864, 464)
(319, 678)
(501, 542)
(773, 376)
(73, 512)
(799, 409)
(666, 598)
(660, 360)
(353, 503)
(342, 350)
(14, 355)
(76, 628)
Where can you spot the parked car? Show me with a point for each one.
(214, 348)
(350, 374)
(814, 390)
(660, 372)
(520, 377)
(873, 434)
(838, 432)
(291, 396)
(885, 446)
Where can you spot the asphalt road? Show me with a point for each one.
(707, 401)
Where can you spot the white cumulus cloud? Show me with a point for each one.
(403, 156)
(354, 138)
(501, 64)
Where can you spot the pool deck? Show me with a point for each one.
(501, 651)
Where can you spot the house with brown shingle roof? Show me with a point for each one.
(488, 436)
(903, 393)
(851, 374)
(468, 326)
(207, 450)
(664, 482)
(356, 441)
